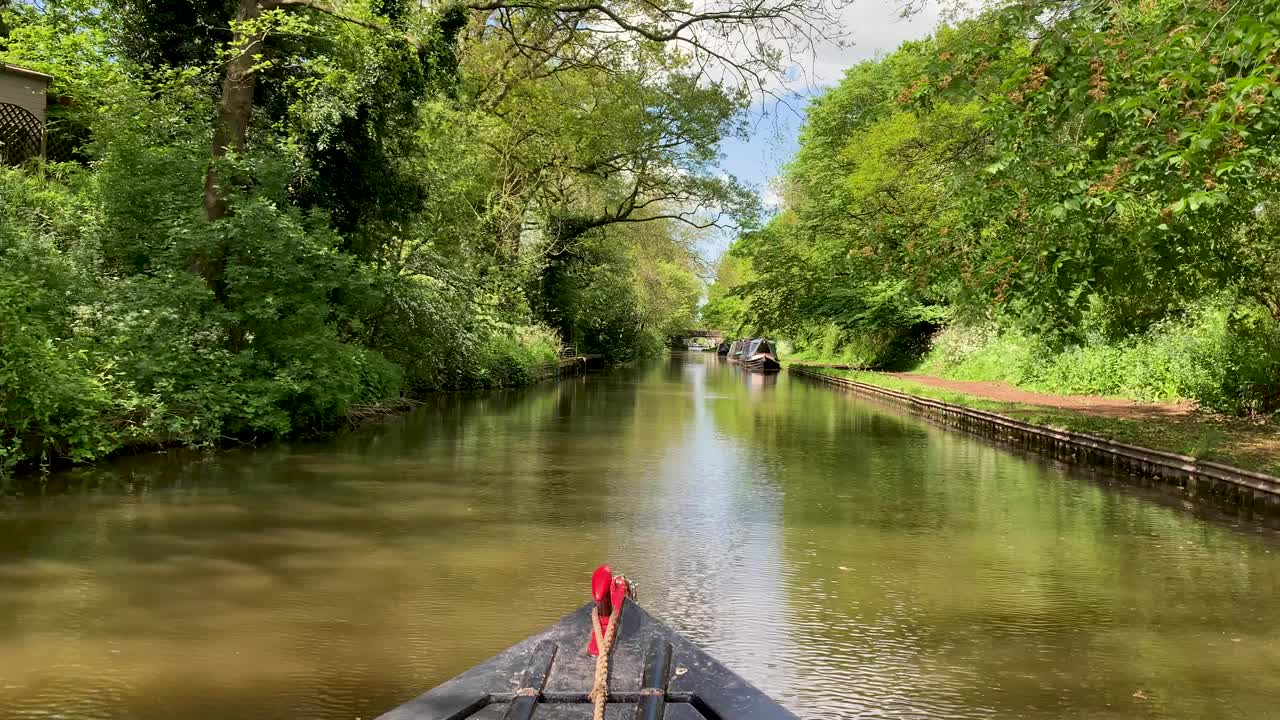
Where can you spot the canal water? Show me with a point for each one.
(851, 561)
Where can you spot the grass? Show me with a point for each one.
(816, 357)
(1247, 444)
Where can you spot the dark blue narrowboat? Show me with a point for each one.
(609, 659)
(761, 355)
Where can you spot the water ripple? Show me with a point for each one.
(852, 562)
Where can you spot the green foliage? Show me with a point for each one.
(512, 356)
(1220, 353)
(396, 211)
(1090, 211)
(350, 104)
(1126, 145)
(724, 310)
(657, 299)
(94, 361)
(807, 288)
(173, 33)
(53, 399)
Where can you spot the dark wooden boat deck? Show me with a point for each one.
(654, 674)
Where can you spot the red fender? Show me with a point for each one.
(609, 592)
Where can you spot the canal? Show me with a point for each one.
(851, 561)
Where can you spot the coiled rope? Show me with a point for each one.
(600, 691)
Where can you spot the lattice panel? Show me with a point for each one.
(20, 134)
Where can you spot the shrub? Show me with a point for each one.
(513, 356)
(1224, 353)
(54, 400)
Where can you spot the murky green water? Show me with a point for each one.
(851, 561)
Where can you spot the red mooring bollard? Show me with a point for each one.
(608, 592)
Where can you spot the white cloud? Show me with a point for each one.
(864, 28)
(875, 27)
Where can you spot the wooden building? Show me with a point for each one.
(23, 103)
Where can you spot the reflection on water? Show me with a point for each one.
(853, 562)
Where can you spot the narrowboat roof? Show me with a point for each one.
(654, 674)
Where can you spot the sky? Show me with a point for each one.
(875, 28)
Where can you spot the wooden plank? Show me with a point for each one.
(24, 88)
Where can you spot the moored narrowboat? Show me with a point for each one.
(608, 659)
(735, 350)
(761, 355)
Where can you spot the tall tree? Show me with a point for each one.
(173, 33)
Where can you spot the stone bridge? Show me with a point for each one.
(682, 339)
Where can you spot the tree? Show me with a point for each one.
(172, 33)
(726, 311)
(1069, 174)
(287, 208)
(1127, 139)
(751, 43)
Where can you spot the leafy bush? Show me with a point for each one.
(619, 299)
(513, 356)
(980, 352)
(1073, 207)
(92, 362)
(357, 228)
(1224, 354)
(53, 399)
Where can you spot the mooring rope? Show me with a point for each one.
(600, 691)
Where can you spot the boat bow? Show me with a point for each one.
(654, 674)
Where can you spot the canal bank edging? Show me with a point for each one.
(563, 367)
(567, 366)
(1254, 490)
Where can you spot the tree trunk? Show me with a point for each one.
(234, 113)
(236, 107)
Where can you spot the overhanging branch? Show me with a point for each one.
(330, 10)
